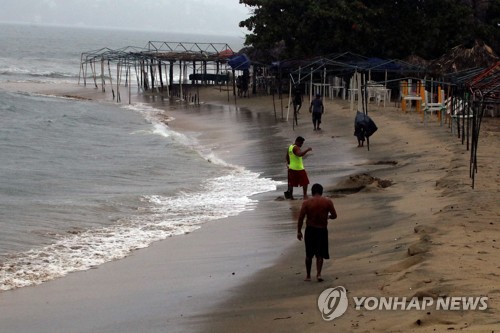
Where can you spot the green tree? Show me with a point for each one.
(383, 28)
(489, 29)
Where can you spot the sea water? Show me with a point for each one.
(86, 182)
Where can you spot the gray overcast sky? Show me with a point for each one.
(219, 17)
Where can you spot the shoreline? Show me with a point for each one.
(415, 230)
(415, 242)
(429, 209)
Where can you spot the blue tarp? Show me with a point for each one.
(239, 62)
(383, 64)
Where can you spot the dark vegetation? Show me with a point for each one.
(396, 29)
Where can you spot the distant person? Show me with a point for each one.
(359, 132)
(242, 85)
(316, 210)
(317, 110)
(297, 175)
(364, 127)
(297, 99)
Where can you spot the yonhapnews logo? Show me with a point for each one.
(333, 303)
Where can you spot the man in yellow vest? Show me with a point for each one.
(297, 175)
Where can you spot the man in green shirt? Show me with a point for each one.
(297, 175)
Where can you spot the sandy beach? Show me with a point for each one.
(409, 224)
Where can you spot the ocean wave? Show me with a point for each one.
(36, 74)
(54, 75)
(158, 217)
(160, 126)
(161, 217)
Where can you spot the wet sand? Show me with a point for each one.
(409, 224)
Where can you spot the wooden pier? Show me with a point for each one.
(154, 67)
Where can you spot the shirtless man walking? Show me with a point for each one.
(317, 210)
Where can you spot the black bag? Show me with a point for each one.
(366, 123)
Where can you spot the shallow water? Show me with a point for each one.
(86, 182)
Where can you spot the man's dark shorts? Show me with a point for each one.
(316, 240)
(316, 116)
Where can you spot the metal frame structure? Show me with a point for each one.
(150, 62)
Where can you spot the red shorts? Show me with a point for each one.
(297, 178)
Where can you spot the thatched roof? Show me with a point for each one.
(264, 55)
(461, 58)
(416, 60)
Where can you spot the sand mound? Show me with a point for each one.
(356, 183)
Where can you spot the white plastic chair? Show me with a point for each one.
(459, 110)
(430, 107)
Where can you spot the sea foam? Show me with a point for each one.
(158, 218)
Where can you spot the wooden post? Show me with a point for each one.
(324, 84)
(184, 74)
(152, 75)
(137, 76)
(126, 75)
(280, 94)
(129, 85)
(204, 65)
(289, 100)
(440, 101)
(102, 75)
(217, 72)
(92, 67)
(141, 80)
(118, 82)
(361, 92)
(421, 92)
(193, 81)
(404, 89)
(84, 71)
(353, 91)
(311, 87)
(234, 82)
(111, 81)
(274, 103)
(167, 82)
(144, 79)
(180, 79)
(197, 97)
(171, 75)
(160, 74)
(227, 89)
(431, 97)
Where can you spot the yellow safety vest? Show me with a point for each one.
(295, 161)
